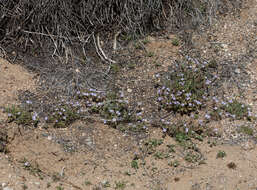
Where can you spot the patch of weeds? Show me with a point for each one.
(212, 143)
(131, 66)
(157, 64)
(175, 42)
(216, 114)
(64, 115)
(120, 185)
(159, 155)
(152, 144)
(106, 184)
(126, 37)
(184, 89)
(179, 131)
(87, 183)
(112, 107)
(145, 41)
(221, 154)
(21, 116)
(237, 110)
(191, 157)
(171, 148)
(134, 164)
(246, 130)
(132, 127)
(137, 45)
(59, 188)
(56, 177)
(114, 68)
(150, 54)
(128, 173)
(174, 163)
(32, 168)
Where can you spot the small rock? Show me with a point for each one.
(237, 71)
(37, 184)
(129, 90)
(4, 184)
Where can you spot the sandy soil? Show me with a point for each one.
(46, 159)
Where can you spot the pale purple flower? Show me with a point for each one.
(140, 113)
(118, 113)
(207, 116)
(207, 82)
(164, 130)
(34, 116)
(160, 98)
(29, 102)
(197, 102)
(186, 130)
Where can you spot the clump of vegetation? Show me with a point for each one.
(22, 115)
(175, 42)
(114, 109)
(237, 110)
(152, 144)
(246, 130)
(64, 115)
(221, 154)
(183, 131)
(120, 185)
(134, 164)
(184, 89)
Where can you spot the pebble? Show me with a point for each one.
(129, 90)
(4, 184)
(237, 71)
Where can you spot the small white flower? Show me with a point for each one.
(207, 116)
